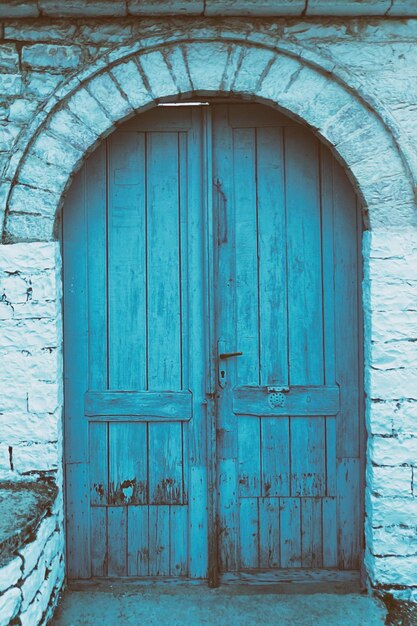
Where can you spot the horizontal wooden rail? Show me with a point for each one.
(138, 405)
(270, 402)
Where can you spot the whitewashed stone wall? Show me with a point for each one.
(30, 583)
(354, 81)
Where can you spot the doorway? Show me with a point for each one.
(213, 376)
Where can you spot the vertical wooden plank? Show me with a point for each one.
(269, 536)
(198, 526)
(311, 533)
(178, 540)
(75, 321)
(78, 521)
(348, 513)
(275, 439)
(329, 532)
(225, 309)
(246, 254)
(159, 551)
(117, 540)
(247, 335)
(331, 461)
(248, 435)
(128, 472)
(126, 262)
(249, 532)
(273, 348)
(308, 456)
(96, 218)
(346, 318)
(98, 515)
(137, 540)
(165, 463)
(98, 463)
(290, 532)
(164, 323)
(196, 175)
(305, 301)
(305, 306)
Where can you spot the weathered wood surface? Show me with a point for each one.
(146, 405)
(163, 272)
(308, 400)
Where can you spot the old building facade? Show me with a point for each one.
(347, 72)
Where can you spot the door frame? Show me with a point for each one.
(210, 216)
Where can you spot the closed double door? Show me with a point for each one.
(212, 352)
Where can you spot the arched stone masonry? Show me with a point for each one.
(92, 108)
(132, 78)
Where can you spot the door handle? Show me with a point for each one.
(228, 355)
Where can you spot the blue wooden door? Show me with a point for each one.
(164, 277)
(287, 304)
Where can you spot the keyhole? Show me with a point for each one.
(222, 373)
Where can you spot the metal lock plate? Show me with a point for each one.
(276, 399)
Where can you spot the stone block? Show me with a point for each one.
(9, 58)
(38, 173)
(252, 67)
(348, 8)
(33, 615)
(384, 512)
(105, 33)
(57, 151)
(30, 228)
(32, 584)
(53, 31)
(104, 88)
(41, 84)
(28, 257)
(404, 417)
(9, 605)
(390, 481)
(392, 326)
(392, 541)
(53, 550)
(379, 417)
(131, 81)
(393, 355)
(207, 65)
(175, 58)
(10, 574)
(393, 450)
(165, 7)
(29, 366)
(265, 8)
(25, 199)
(158, 75)
(19, 8)
(35, 457)
(31, 552)
(392, 384)
(22, 110)
(40, 56)
(66, 125)
(28, 335)
(94, 8)
(87, 109)
(44, 397)
(19, 427)
(8, 134)
(15, 288)
(15, 402)
(11, 84)
(402, 570)
(402, 8)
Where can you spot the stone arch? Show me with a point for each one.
(184, 68)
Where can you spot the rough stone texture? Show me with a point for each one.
(31, 574)
(67, 83)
